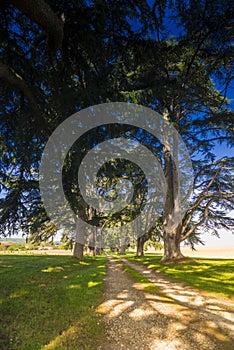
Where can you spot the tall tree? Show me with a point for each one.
(183, 87)
(41, 86)
(174, 57)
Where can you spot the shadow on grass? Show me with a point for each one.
(211, 275)
(48, 302)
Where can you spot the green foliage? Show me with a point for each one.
(152, 243)
(12, 246)
(115, 51)
(49, 302)
(65, 246)
(15, 247)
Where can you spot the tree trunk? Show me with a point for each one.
(78, 252)
(80, 238)
(172, 245)
(123, 245)
(98, 251)
(172, 209)
(140, 247)
(123, 249)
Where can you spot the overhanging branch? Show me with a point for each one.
(9, 76)
(41, 13)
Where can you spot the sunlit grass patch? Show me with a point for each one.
(211, 275)
(144, 284)
(49, 302)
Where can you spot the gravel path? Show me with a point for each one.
(177, 318)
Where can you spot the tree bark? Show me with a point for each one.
(172, 220)
(98, 251)
(172, 245)
(78, 251)
(140, 246)
(123, 249)
(41, 13)
(124, 245)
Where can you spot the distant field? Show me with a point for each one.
(202, 252)
(48, 302)
(210, 252)
(39, 252)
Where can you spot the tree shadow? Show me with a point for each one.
(173, 318)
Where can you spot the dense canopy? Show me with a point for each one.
(58, 57)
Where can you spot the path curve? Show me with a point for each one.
(178, 317)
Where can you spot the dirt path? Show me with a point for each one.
(177, 318)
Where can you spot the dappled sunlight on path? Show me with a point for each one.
(186, 295)
(172, 317)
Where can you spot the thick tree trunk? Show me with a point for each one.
(123, 249)
(98, 251)
(172, 246)
(80, 238)
(124, 245)
(140, 247)
(172, 209)
(78, 251)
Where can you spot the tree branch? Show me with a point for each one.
(8, 75)
(199, 223)
(41, 13)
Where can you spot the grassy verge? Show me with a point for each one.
(145, 284)
(211, 275)
(136, 276)
(49, 302)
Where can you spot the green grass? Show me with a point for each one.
(210, 275)
(145, 284)
(49, 302)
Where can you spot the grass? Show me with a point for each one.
(145, 284)
(211, 275)
(49, 302)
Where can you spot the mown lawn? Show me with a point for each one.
(49, 302)
(211, 275)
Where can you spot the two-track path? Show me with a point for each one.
(178, 317)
